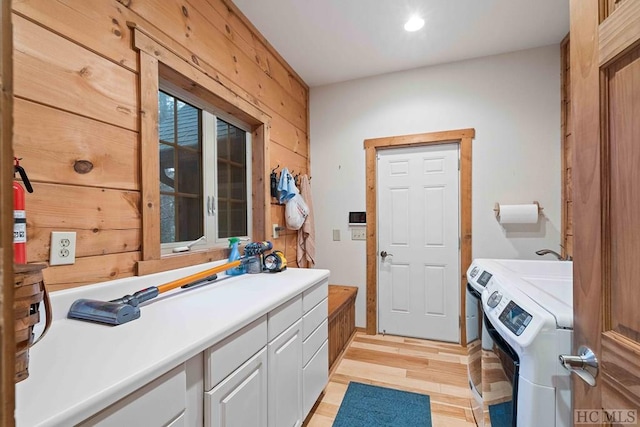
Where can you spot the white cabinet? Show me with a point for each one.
(298, 357)
(235, 379)
(161, 402)
(240, 400)
(314, 377)
(315, 349)
(227, 355)
(285, 378)
(268, 373)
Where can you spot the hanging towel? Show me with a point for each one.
(286, 186)
(306, 248)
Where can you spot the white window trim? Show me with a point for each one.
(210, 187)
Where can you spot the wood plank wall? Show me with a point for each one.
(566, 130)
(77, 101)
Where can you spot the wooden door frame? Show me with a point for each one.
(7, 340)
(460, 136)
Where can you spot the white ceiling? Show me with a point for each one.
(328, 41)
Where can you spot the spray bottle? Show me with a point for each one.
(234, 256)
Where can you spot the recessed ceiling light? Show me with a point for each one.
(414, 23)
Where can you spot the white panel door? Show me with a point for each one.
(418, 227)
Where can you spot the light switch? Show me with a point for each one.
(358, 233)
(336, 235)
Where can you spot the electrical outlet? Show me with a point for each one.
(63, 248)
(276, 229)
(358, 233)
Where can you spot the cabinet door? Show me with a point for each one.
(285, 378)
(315, 377)
(240, 400)
(159, 403)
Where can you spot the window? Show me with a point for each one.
(205, 168)
(162, 70)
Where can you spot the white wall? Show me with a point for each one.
(512, 101)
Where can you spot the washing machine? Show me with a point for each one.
(528, 312)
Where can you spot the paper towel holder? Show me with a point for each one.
(497, 208)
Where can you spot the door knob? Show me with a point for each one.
(384, 254)
(585, 365)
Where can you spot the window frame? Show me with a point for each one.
(209, 116)
(176, 64)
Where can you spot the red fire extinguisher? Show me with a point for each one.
(19, 215)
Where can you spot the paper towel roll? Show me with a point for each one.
(518, 214)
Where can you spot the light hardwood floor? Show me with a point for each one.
(428, 367)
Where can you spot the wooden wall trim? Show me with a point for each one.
(7, 333)
(372, 240)
(462, 136)
(173, 261)
(621, 27)
(150, 170)
(196, 77)
(261, 186)
(420, 138)
(466, 235)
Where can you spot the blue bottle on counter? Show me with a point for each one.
(233, 256)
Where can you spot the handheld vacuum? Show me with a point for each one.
(125, 309)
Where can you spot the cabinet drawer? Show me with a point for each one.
(226, 356)
(314, 378)
(312, 296)
(158, 403)
(313, 319)
(241, 398)
(311, 345)
(284, 316)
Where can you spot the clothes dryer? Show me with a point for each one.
(528, 311)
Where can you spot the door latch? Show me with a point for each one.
(585, 364)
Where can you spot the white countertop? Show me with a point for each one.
(81, 367)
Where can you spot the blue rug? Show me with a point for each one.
(501, 414)
(372, 406)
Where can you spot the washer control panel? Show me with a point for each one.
(478, 277)
(494, 299)
(515, 318)
(484, 278)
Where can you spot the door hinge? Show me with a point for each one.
(459, 321)
(458, 164)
